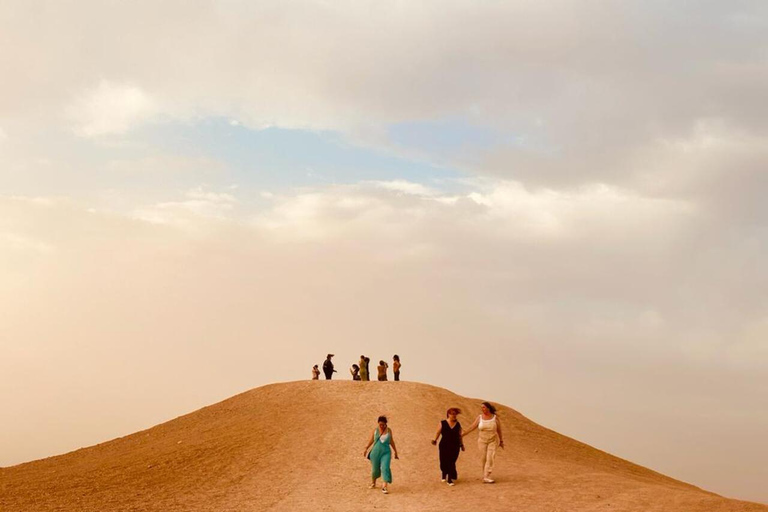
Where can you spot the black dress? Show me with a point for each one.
(450, 444)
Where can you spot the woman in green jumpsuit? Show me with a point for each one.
(381, 455)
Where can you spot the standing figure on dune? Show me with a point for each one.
(363, 368)
(315, 373)
(489, 437)
(355, 371)
(381, 454)
(382, 369)
(328, 367)
(367, 368)
(396, 366)
(449, 432)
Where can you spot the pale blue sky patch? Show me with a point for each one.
(275, 158)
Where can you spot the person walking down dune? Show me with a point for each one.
(449, 433)
(355, 371)
(381, 454)
(489, 437)
(328, 367)
(363, 368)
(396, 366)
(382, 368)
(315, 373)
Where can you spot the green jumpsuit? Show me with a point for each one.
(381, 456)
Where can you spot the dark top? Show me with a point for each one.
(450, 438)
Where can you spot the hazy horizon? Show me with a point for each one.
(558, 207)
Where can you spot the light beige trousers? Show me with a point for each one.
(487, 446)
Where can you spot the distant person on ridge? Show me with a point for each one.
(489, 437)
(328, 367)
(396, 366)
(450, 445)
(383, 370)
(355, 371)
(315, 373)
(363, 368)
(367, 368)
(381, 455)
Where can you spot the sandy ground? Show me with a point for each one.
(298, 446)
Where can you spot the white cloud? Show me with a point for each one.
(584, 89)
(110, 109)
(406, 187)
(199, 207)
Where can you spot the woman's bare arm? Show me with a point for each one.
(473, 427)
(437, 434)
(392, 443)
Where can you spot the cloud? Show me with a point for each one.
(199, 205)
(582, 88)
(406, 187)
(111, 109)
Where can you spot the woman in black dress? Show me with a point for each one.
(450, 444)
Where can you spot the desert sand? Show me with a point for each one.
(298, 446)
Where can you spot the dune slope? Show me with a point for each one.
(298, 446)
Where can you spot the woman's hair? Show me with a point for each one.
(314, 366)
(396, 357)
(454, 410)
(355, 367)
(490, 407)
(367, 359)
(382, 363)
(382, 419)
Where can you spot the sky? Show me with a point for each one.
(556, 206)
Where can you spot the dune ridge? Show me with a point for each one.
(298, 445)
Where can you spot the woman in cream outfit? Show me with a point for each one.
(489, 437)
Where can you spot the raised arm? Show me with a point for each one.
(498, 432)
(472, 427)
(392, 443)
(370, 442)
(437, 434)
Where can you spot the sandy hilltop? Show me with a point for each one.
(298, 446)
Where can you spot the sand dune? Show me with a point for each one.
(297, 446)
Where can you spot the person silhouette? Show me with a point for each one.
(328, 367)
(382, 369)
(396, 366)
(363, 368)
